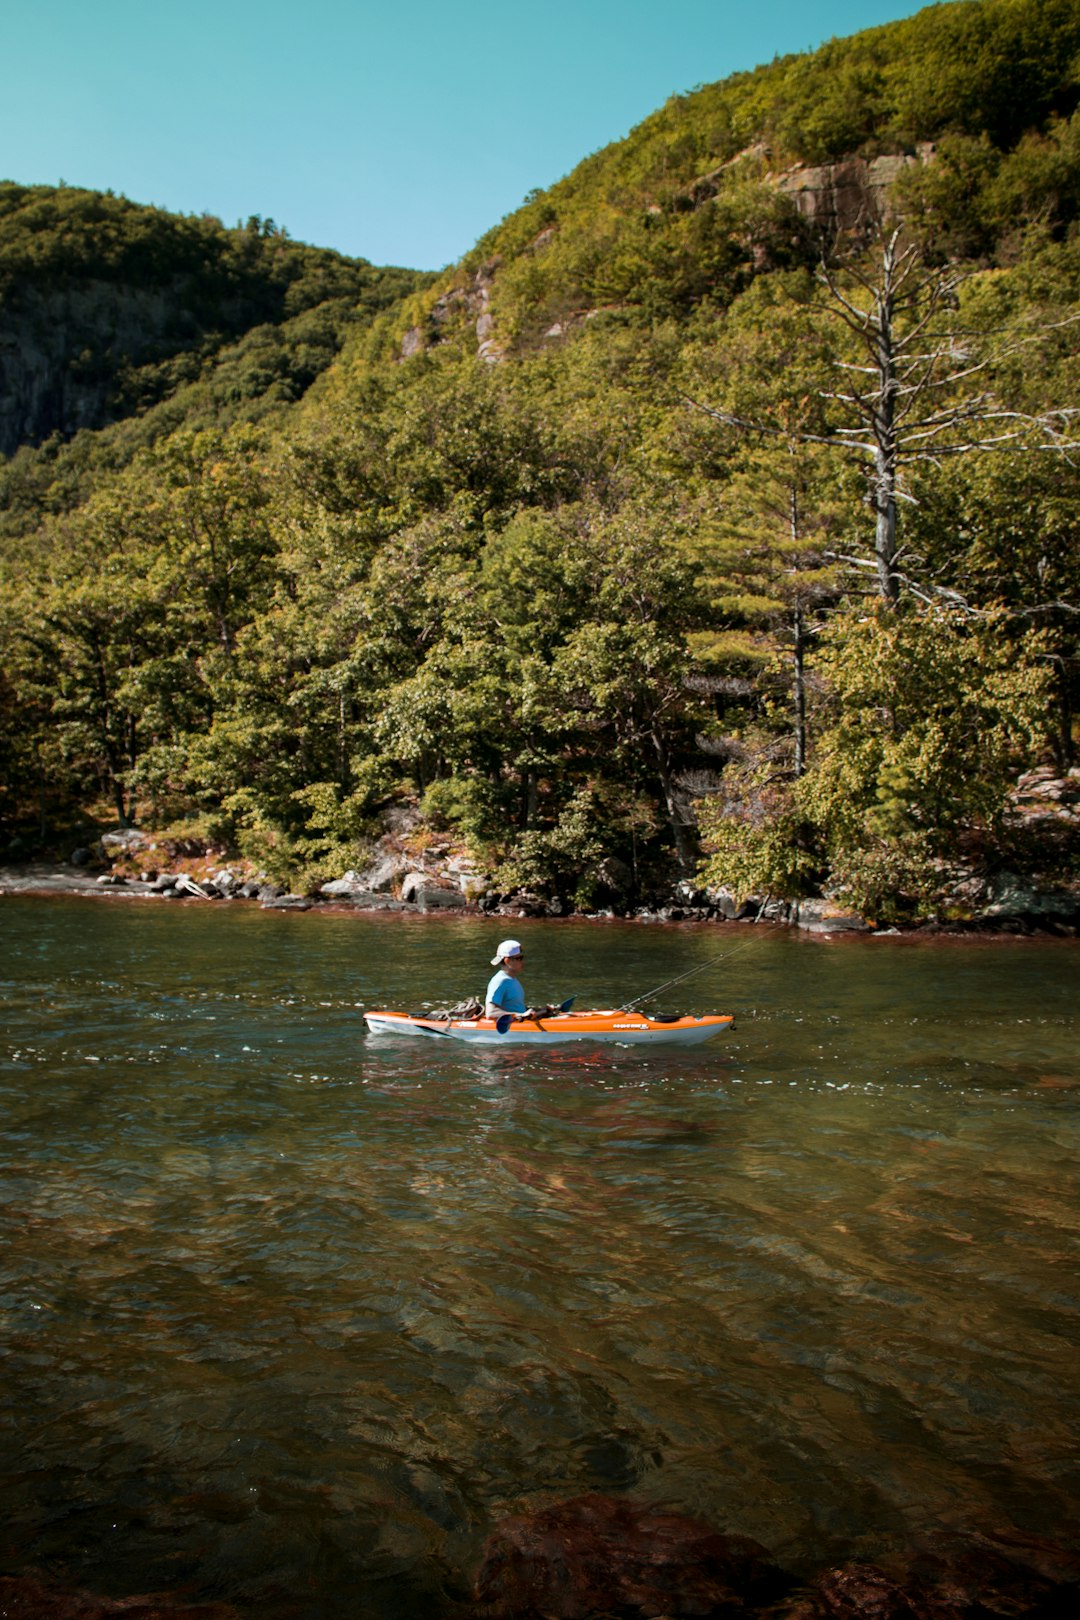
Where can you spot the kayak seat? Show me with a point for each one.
(665, 1018)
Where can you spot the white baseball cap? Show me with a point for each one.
(509, 947)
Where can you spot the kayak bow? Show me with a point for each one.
(625, 1028)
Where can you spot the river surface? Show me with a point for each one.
(289, 1316)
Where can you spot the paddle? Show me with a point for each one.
(502, 1024)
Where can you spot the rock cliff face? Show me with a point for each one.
(63, 352)
(108, 307)
(846, 198)
(849, 195)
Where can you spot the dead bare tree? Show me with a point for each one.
(917, 391)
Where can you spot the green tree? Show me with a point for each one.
(761, 557)
(926, 715)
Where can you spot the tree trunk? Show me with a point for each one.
(885, 535)
(799, 652)
(799, 694)
(684, 844)
(530, 799)
(884, 429)
(344, 772)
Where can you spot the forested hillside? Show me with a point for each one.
(108, 309)
(715, 517)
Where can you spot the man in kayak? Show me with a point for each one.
(504, 992)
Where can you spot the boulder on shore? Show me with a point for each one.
(419, 889)
(384, 873)
(1013, 899)
(349, 883)
(826, 917)
(124, 841)
(346, 889)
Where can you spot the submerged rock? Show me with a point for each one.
(957, 1577)
(596, 1557)
(1005, 1573)
(602, 1555)
(859, 1592)
(24, 1597)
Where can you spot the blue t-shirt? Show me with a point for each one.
(505, 992)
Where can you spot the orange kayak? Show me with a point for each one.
(624, 1028)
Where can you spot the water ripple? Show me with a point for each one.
(281, 1306)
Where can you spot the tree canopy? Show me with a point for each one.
(683, 529)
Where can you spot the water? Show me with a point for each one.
(290, 1316)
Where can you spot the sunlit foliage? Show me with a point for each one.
(568, 547)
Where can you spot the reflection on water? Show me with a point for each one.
(290, 1315)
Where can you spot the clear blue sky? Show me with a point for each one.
(398, 132)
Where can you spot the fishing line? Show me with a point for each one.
(629, 1006)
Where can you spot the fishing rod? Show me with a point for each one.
(629, 1006)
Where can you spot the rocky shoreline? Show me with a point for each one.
(412, 869)
(1009, 906)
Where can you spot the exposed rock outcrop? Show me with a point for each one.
(1009, 898)
(1048, 796)
(460, 305)
(848, 195)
